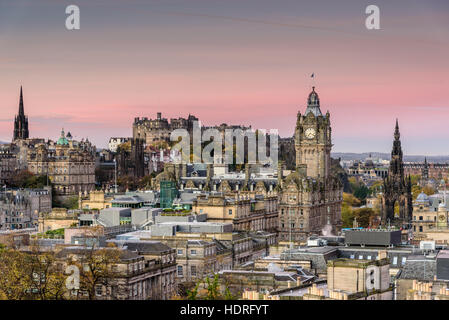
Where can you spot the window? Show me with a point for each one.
(193, 252)
(360, 257)
(395, 260)
(404, 259)
(193, 271)
(420, 228)
(369, 257)
(180, 273)
(98, 290)
(230, 211)
(352, 256)
(179, 251)
(420, 218)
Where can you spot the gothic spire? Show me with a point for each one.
(397, 135)
(21, 111)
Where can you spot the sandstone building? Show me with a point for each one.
(310, 196)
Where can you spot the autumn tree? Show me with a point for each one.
(30, 275)
(98, 267)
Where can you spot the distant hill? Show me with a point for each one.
(387, 156)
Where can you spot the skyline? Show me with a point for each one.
(226, 62)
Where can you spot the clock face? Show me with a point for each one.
(310, 133)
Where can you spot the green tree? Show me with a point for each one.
(347, 215)
(363, 216)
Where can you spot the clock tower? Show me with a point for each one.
(313, 140)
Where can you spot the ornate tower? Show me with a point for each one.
(397, 188)
(310, 197)
(313, 140)
(21, 122)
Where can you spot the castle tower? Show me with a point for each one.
(313, 140)
(21, 121)
(397, 188)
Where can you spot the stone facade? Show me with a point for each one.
(20, 209)
(245, 213)
(310, 197)
(69, 164)
(137, 275)
(159, 129)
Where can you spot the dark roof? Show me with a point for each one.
(124, 254)
(419, 267)
(149, 247)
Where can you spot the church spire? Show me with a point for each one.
(21, 110)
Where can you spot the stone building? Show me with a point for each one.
(8, 165)
(131, 161)
(159, 129)
(69, 164)
(58, 218)
(139, 274)
(397, 189)
(310, 197)
(427, 170)
(349, 279)
(246, 213)
(114, 142)
(20, 209)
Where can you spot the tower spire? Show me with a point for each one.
(397, 135)
(21, 121)
(21, 111)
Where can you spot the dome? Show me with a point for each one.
(313, 104)
(313, 99)
(62, 141)
(422, 198)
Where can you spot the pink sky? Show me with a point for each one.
(94, 81)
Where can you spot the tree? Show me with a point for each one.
(30, 275)
(97, 268)
(212, 288)
(363, 216)
(428, 190)
(25, 179)
(347, 215)
(351, 200)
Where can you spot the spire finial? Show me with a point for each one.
(397, 135)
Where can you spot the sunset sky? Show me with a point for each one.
(234, 61)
